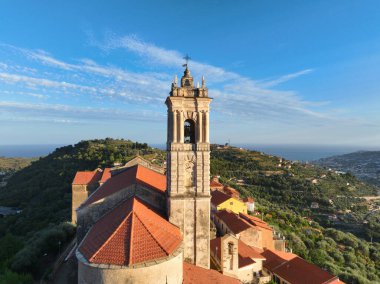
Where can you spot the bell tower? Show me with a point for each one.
(188, 166)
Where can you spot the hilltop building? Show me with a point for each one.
(140, 223)
(137, 225)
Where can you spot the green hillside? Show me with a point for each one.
(14, 164)
(43, 191)
(283, 191)
(363, 164)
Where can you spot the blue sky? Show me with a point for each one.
(280, 72)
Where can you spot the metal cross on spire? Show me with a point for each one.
(187, 58)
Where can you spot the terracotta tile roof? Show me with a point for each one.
(275, 258)
(255, 221)
(249, 199)
(234, 223)
(231, 191)
(106, 175)
(151, 178)
(299, 271)
(129, 234)
(86, 177)
(218, 197)
(197, 275)
(214, 184)
(246, 253)
(136, 174)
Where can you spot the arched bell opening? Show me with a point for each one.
(189, 131)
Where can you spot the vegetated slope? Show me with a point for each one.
(43, 192)
(284, 192)
(363, 164)
(14, 164)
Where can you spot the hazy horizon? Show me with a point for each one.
(290, 152)
(284, 72)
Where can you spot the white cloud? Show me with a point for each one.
(60, 112)
(236, 97)
(284, 78)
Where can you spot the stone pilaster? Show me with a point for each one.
(188, 168)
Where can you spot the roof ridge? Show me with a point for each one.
(150, 233)
(110, 237)
(132, 229)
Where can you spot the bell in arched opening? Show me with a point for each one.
(189, 131)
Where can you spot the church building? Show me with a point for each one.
(137, 225)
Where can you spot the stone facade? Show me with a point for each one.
(188, 167)
(229, 256)
(164, 271)
(80, 192)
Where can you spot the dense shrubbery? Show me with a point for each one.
(284, 196)
(43, 192)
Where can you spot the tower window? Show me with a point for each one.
(231, 253)
(230, 248)
(189, 131)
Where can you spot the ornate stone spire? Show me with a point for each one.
(187, 80)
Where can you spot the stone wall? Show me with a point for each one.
(79, 195)
(166, 271)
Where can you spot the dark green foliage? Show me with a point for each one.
(42, 244)
(9, 277)
(43, 192)
(284, 195)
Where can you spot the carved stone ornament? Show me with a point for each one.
(190, 115)
(190, 163)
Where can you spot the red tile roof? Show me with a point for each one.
(255, 221)
(246, 253)
(106, 175)
(85, 178)
(129, 234)
(275, 258)
(134, 175)
(218, 197)
(151, 178)
(299, 271)
(234, 223)
(197, 275)
(296, 270)
(214, 184)
(249, 199)
(231, 191)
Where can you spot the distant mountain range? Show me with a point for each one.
(363, 164)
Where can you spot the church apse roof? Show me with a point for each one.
(130, 234)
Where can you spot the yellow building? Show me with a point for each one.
(221, 201)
